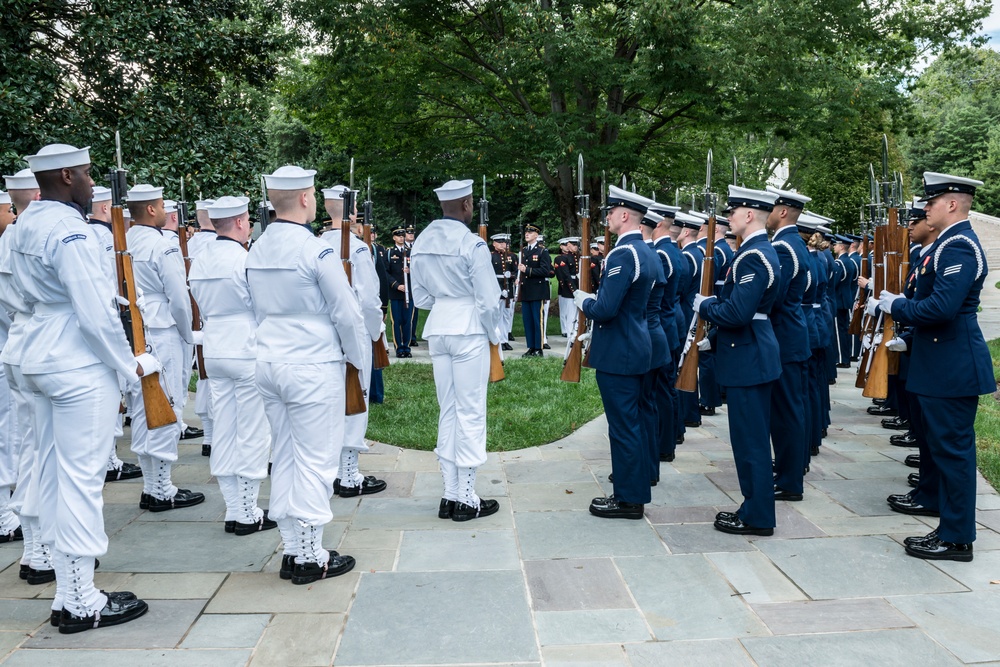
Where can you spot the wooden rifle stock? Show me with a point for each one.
(380, 352)
(574, 362)
(877, 380)
(496, 363)
(195, 313)
(687, 377)
(355, 394)
(159, 411)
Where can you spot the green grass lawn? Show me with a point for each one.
(988, 426)
(532, 406)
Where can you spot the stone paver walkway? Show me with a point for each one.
(543, 582)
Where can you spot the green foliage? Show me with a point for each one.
(988, 426)
(184, 81)
(532, 406)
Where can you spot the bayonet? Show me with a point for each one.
(118, 149)
(736, 171)
(579, 175)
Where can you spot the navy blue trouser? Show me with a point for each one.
(928, 490)
(675, 397)
(817, 380)
(844, 338)
(708, 387)
(666, 402)
(750, 434)
(531, 316)
(789, 419)
(951, 441)
(650, 415)
(376, 388)
(629, 455)
(402, 324)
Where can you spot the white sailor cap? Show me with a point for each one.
(22, 180)
(290, 177)
(501, 238)
(4, 197)
(936, 184)
(682, 219)
(652, 219)
(453, 190)
(58, 156)
(630, 200)
(747, 198)
(336, 192)
(101, 193)
(169, 206)
(789, 198)
(599, 239)
(228, 207)
(203, 204)
(145, 192)
(664, 210)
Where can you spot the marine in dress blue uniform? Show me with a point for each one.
(620, 353)
(748, 359)
(400, 294)
(950, 364)
(535, 270)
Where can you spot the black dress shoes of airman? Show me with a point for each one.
(183, 498)
(667, 457)
(463, 512)
(612, 508)
(706, 411)
(913, 479)
(307, 573)
(882, 410)
(896, 424)
(912, 461)
(16, 535)
(781, 494)
(446, 508)
(679, 440)
(263, 523)
(843, 365)
(814, 450)
(917, 539)
(192, 432)
(696, 424)
(906, 505)
(127, 471)
(935, 549)
(730, 522)
(121, 607)
(369, 485)
(903, 439)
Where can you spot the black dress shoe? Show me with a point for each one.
(679, 440)
(912, 461)
(696, 424)
(446, 508)
(854, 358)
(287, 567)
(907, 506)
(463, 512)
(183, 498)
(119, 609)
(917, 539)
(24, 571)
(706, 411)
(823, 433)
(896, 424)
(831, 382)
(529, 353)
(506, 347)
(16, 535)
(127, 471)
(878, 401)
(612, 508)
(510, 336)
(54, 617)
(144, 499)
(230, 526)
(667, 457)
(881, 410)
(728, 522)
(913, 479)
(935, 549)
(127, 421)
(369, 485)
(899, 496)
(414, 343)
(546, 346)
(843, 365)
(307, 573)
(400, 354)
(39, 577)
(206, 450)
(781, 494)
(262, 524)
(192, 432)
(903, 439)
(814, 450)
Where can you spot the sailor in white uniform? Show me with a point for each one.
(309, 328)
(243, 437)
(350, 482)
(203, 405)
(452, 276)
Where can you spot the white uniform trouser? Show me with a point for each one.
(545, 321)
(25, 406)
(74, 419)
(567, 316)
(355, 427)
(305, 407)
(10, 451)
(204, 406)
(506, 318)
(461, 374)
(242, 435)
(168, 347)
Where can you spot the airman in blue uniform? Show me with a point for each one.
(671, 317)
(694, 257)
(846, 279)
(748, 358)
(709, 391)
(950, 364)
(810, 228)
(655, 397)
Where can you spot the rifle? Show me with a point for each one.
(159, 411)
(571, 369)
(263, 212)
(859, 300)
(869, 324)
(604, 224)
(355, 394)
(182, 227)
(380, 353)
(687, 378)
(496, 363)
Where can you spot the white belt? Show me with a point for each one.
(760, 316)
(455, 300)
(53, 308)
(232, 317)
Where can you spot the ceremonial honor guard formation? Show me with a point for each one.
(741, 350)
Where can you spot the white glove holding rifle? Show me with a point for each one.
(148, 364)
(580, 297)
(896, 345)
(705, 345)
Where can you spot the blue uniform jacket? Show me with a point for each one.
(846, 279)
(670, 309)
(659, 348)
(824, 314)
(621, 343)
(809, 302)
(787, 318)
(949, 357)
(747, 352)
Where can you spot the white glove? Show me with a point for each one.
(140, 301)
(698, 300)
(506, 274)
(866, 341)
(871, 306)
(896, 345)
(885, 300)
(197, 337)
(579, 297)
(122, 301)
(503, 294)
(149, 363)
(584, 337)
(705, 344)
(381, 328)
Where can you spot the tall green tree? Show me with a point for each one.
(641, 87)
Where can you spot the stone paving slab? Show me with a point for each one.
(886, 648)
(163, 626)
(796, 618)
(966, 625)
